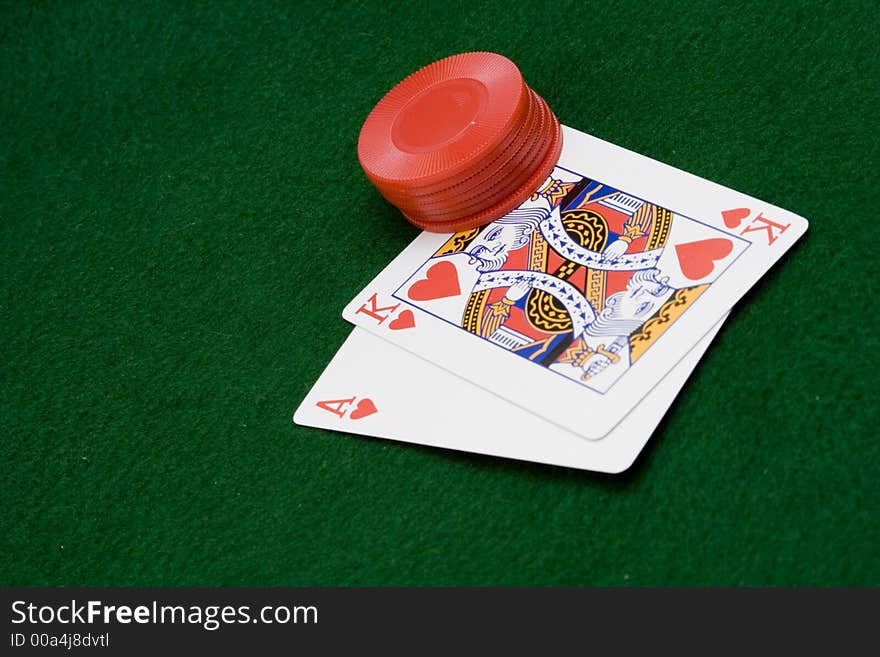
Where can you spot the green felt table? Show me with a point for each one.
(183, 218)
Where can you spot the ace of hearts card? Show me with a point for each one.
(372, 388)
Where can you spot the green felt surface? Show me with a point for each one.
(183, 217)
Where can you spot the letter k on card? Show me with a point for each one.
(372, 309)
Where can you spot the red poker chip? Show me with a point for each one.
(432, 124)
(480, 184)
(448, 210)
(486, 167)
(460, 142)
(512, 202)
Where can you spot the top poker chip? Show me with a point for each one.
(436, 121)
(452, 144)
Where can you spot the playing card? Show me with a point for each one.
(373, 388)
(576, 304)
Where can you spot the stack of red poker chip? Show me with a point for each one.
(460, 143)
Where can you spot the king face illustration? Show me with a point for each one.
(491, 249)
(576, 280)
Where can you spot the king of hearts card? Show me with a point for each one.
(578, 302)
